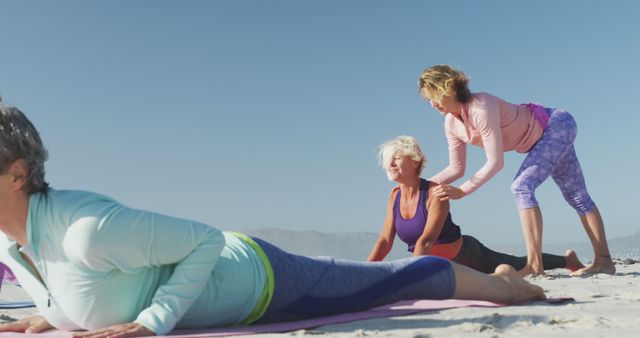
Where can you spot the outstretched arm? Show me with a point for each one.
(438, 211)
(385, 241)
(457, 158)
(487, 120)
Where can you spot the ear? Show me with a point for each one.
(416, 164)
(19, 173)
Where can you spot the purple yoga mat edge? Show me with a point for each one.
(391, 310)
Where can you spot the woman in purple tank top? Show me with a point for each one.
(425, 223)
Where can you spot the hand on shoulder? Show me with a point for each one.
(445, 192)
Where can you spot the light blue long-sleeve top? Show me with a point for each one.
(102, 263)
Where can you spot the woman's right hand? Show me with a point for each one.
(33, 324)
(447, 192)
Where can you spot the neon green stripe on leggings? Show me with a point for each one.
(267, 292)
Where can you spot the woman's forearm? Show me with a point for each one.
(488, 171)
(448, 175)
(380, 251)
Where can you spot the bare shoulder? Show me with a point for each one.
(394, 192)
(431, 186)
(392, 198)
(431, 199)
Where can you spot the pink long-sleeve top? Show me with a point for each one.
(494, 124)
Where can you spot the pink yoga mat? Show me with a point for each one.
(396, 309)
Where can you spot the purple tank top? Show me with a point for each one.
(409, 230)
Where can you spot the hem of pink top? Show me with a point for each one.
(539, 112)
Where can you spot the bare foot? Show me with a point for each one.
(573, 263)
(600, 265)
(518, 290)
(530, 271)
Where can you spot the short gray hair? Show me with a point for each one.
(19, 139)
(403, 146)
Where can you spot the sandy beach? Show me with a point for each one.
(604, 306)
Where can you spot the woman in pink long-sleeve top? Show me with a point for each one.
(546, 135)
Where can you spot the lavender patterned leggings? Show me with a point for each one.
(553, 155)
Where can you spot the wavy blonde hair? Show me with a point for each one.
(442, 80)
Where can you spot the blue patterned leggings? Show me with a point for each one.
(307, 287)
(553, 155)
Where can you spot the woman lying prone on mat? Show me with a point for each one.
(91, 263)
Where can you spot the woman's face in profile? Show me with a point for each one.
(447, 104)
(402, 166)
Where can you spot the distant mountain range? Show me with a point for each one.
(348, 245)
(358, 245)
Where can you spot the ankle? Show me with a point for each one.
(603, 259)
(536, 267)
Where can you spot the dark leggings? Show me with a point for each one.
(307, 287)
(477, 256)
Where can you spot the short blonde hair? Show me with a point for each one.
(403, 146)
(441, 80)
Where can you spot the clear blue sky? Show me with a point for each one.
(246, 114)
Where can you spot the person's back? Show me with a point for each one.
(517, 124)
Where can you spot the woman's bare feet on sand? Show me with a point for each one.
(517, 290)
(530, 271)
(573, 263)
(504, 286)
(602, 264)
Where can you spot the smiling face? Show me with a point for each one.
(402, 166)
(402, 159)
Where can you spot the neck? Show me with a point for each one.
(409, 186)
(458, 109)
(13, 217)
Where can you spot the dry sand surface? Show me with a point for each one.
(605, 306)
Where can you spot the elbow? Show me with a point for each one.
(212, 240)
(498, 163)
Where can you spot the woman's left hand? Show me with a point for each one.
(446, 192)
(117, 331)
